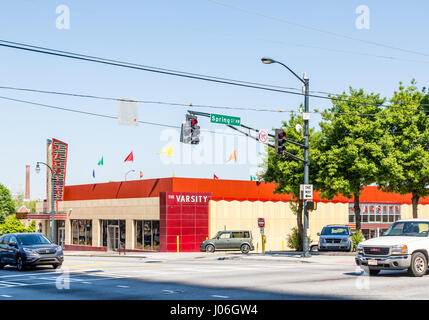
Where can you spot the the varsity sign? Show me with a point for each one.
(377, 208)
(59, 165)
(188, 198)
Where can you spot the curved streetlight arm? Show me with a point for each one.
(52, 171)
(128, 173)
(299, 78)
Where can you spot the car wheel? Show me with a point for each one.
(56, 266)
(313, 248)
(245, 248)
(210, 248)
(419, 265)
(19, 264)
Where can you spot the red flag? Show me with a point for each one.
(141, 174)
(215, 177)
(129, 157)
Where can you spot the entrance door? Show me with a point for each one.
(61, 237)
(112, 238)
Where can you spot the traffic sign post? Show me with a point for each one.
(261, 225)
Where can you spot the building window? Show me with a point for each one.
(81, 232)
(376, 213)
(146, 234)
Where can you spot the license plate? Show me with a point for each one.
(372, 262)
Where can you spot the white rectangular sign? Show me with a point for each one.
(306, 191)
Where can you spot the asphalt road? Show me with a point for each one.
(208, 277)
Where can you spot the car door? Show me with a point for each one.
(2, 249)
(13, 249)
(236, 240)
(223, 240)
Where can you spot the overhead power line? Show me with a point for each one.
(194, 105)
(117, 63)
(307, 27)
(65, 54)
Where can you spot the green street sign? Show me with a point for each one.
(218, 118)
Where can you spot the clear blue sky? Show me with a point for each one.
(195, 36)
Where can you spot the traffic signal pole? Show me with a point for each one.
(306, 163)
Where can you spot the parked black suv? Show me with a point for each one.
(25, 249)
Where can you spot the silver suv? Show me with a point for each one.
(229, 240)
(335, 238)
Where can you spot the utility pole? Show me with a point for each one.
(306, 117)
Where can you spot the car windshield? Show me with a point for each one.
(30, 239)
(335, 231)
(411, 229)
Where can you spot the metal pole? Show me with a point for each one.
(306, 163)
(53, 208)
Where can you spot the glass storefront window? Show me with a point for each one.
(147, 234)
(81, 232)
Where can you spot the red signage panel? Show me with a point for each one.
(59, 166)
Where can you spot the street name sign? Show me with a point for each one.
(306, 191)
(218, 118)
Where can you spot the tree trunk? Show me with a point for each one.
(299, 223)
(415, 200)
(357, 212)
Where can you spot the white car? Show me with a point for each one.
(405, 245)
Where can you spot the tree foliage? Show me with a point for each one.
(7, 205)
(406, 143)
(348, 153)
(14, 225)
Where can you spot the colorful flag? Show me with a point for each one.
(167, 151)
(232, 156)
(252, 178)
(100, 163)
(93, 173)
(141, 174)
(129, 157)
(215, 177)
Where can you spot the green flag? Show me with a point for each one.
(252, 178)
(100, 163)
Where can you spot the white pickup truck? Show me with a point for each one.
(405, 245)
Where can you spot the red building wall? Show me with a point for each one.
(183, 214)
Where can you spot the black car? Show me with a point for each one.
(29, 249)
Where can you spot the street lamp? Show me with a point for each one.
(306, 83)
(128, 173)
(52, 200)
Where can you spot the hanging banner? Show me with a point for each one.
(59, 165)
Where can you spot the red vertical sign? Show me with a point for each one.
(59, 165)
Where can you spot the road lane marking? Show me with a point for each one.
(6, 296)
(217, 296)
(126, 287)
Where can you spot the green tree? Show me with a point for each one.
(406, 142)
(287, 172)
(348, 153)
(12, 225)
(7, 205)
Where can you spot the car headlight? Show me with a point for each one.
(29, 251)
(344, 240)
(322, 240)
(399, 250)
(59, 250)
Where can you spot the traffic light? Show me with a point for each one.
(280, 137)
(195, 131)
(311, 205)
(190, 132)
